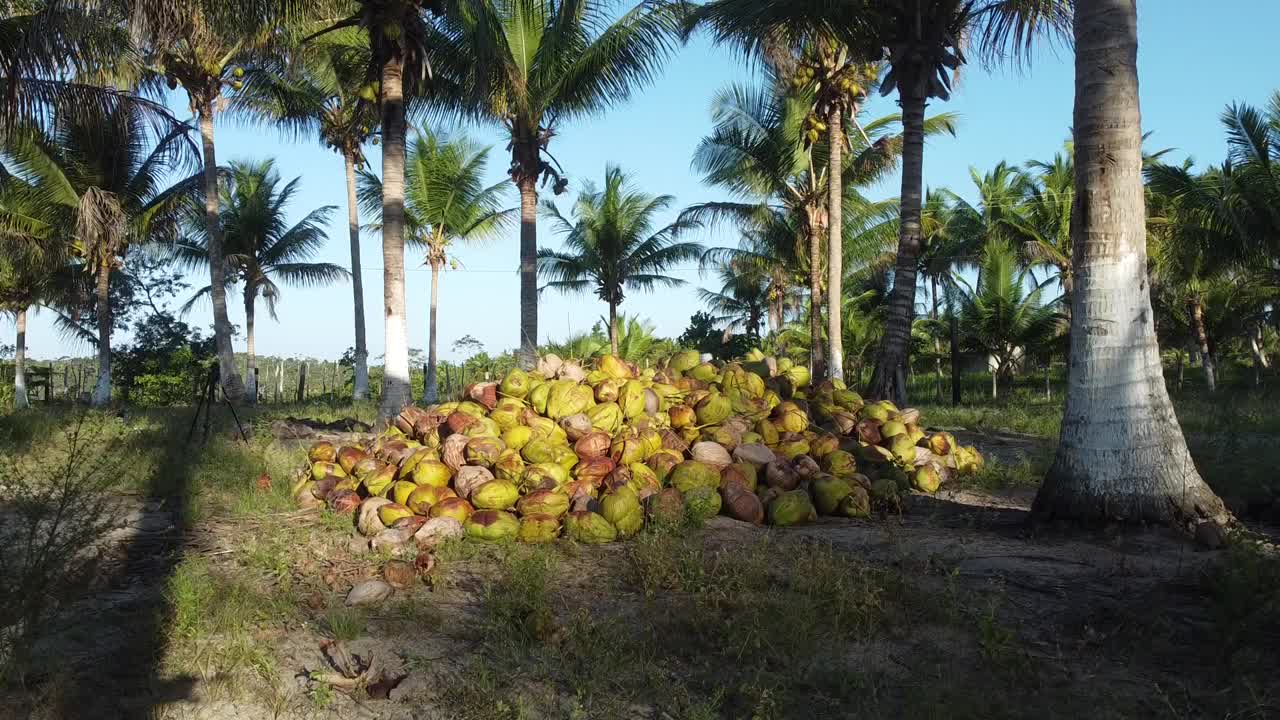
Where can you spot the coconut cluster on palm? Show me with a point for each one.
(595, 453)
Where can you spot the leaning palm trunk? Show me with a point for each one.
(528, 356)
(1202, 343)
(251, 357)
(20, 362)
(395, 381)
(1121, 454)
(835, 237)
(360, 383)
(102, 391)
(429, 389)
(887, 379)
(232, 385)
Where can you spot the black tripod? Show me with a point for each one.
(207, 400)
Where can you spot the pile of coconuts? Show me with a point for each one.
(596, 452)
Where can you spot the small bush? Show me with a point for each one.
(59, 506)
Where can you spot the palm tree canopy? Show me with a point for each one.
(1000, 315)
(612, 244)
(530, 64)
(446, 199)
(100, 180)
(261, 246)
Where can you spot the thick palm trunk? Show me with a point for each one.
(528, 355)
(232, 385)
(1121, 454)
(20, 362)
(775, 315)
(835, 237)
(613, 328)
(1202, 343)
(251, 357)
(395, 379)
(102, 391)
(817, 363)
(429, 389)
(360, 384)
(886, 380)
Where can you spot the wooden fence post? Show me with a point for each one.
(302, 382)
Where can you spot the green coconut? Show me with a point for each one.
(544, 475)
(348, 456)
(840, 463)
(927, 479)
(704, 372)
(789, 417)
(665, 507)
(495, 495)
(400, 491)
(392, 512)
(538, 396)
(857, 504)
(323, 451)
(742, 473)
(606, 417)
(538, 528)
(663, 462)
(491, 525)
(378, 483)
(509, 466)
(631, 399)
(515, 438)
(432, 472)
(539, 451)
(792, 508)
(681, 416)
(324, 468)
(484, 451)
(622, 508)
(421, 500)
(544, 502)
(691, 474)
(515, 384)
(452, 507)
(702, 503)
(585, 526)
(713, 409)
(684, 361)
(828, 492)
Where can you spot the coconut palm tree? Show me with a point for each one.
(613, 245)
(261, 247)
(759, 154)
(204, 47)
(923, 42)
(100, 182)
(409, 58)
(1121, 454)
(446, 202)
(323, 89)
(1000, 317)
(535, 64)
(742, 300)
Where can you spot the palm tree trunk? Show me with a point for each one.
(251, 358)
(613, 328)
(835, 238)
(102, 391)
(1260, 361)
(360, 384)
(528, 356)
(1121, 454)
(817, 365)
(897, 332)
(232, 385)
(775, 315)
(956, 394)
(395, 379)
(20, 362)
(1202, 342)
(429, 389)
(937, 344)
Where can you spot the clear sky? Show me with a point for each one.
(1195, 57)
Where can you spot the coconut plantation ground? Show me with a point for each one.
(210, 596)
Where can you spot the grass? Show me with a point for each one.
(678, 621)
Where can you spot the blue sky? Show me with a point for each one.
(1186, 79)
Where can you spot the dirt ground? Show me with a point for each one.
(1017, 624)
